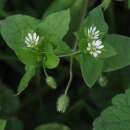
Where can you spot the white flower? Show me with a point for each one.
(32, 39)
(95, 47)
(93, 33)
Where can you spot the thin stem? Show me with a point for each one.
(73, 53)
(71, 75)
(74, 49)
(45, 71)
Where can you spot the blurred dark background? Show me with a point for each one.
(37, 104)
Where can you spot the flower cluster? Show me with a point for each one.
(32, 39)
(94, 42)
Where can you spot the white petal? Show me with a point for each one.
(27, 39)
(95, 54)
(34, 36)
(94, 29)
(97, 32)
(37, 39)
(98, 43)
(99, 52)
(91, 28)
(89, 44)
(94, 43)
(27, 42)
(100, 47)
(88, 31)
(95, 37)
(91, 52)
(30, 37)
(88, 48)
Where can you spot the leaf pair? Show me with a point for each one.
(116, 53)
(14, 29)
(91, 67)
(51, 30)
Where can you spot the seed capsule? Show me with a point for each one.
(62, 103)
(51, 82)
(103, 81)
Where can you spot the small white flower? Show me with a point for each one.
(95, 47)
(32, 39)
(93, 33)
(94, 41)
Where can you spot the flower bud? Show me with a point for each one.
(102, 81)
(51, 82)
(62, 103)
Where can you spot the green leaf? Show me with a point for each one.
(96, 18)
(13, 30)
(106, 3)
(77, 11)
(62, 48)
(91, 69)
(108, 50)
(53, 126)
(2, 124)
(58, 5)
(117, 116)
(28, 56)
(47, 48)
(55, 26)
(51, 61)
(30, 72)
(121, 45)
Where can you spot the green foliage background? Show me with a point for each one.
(90, 108)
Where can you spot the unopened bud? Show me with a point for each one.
(103, 81)
(51, 82)
(62, 103)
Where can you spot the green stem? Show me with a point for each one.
(74, 52)
(71, 75)
(74, 49)
(66, 55)
(45, 71)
